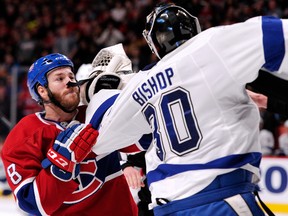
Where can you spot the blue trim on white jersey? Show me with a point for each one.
(164, 171)
(148, 67)
(273, 41)
(98, 114)
(145, 141)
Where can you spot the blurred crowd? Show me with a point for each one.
(80, 28)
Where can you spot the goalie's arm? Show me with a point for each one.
(271, 93)
(277, 106)
(271, 86)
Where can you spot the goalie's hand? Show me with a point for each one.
(70, 148)
(110, 69)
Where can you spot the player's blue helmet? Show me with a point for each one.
(37, 74)
(169, 26)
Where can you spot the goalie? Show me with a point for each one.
(98, 100)
(205, 127)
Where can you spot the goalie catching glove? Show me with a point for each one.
(70, 148)
(110, 69)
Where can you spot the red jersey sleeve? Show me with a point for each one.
(22, 154)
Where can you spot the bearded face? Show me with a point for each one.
(59, 93)
(68, 98)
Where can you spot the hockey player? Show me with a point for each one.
(47, 156)
(205, 154)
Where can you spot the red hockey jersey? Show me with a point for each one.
(102, 188)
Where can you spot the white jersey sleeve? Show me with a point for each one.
(137, 127)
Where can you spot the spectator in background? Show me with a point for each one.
(64, 42)
(4, 107)
(26, 105)
(266, 139)
(27, 46)
(118, 12)
(110, 35)
(283, 140)
(274, 9)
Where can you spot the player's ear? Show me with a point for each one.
(43, 93)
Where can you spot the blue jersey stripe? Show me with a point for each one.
(27, 200)
(108, 165)
(232, 161)
(273, 42)
(145, 141)
(98, 115)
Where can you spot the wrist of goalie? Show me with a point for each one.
(60, 161)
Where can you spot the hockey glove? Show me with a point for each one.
(110, 69)
(70, 148)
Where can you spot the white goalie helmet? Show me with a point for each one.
(110, 69)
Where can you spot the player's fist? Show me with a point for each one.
(70, 148)
(75, 143)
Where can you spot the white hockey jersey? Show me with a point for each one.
(194, 103)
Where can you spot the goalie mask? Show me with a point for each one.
(109, 69)
(169, 26)
(37, 74)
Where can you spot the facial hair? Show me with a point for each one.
(70, 103)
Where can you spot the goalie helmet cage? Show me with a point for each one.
(102, 59)
(112, 59)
